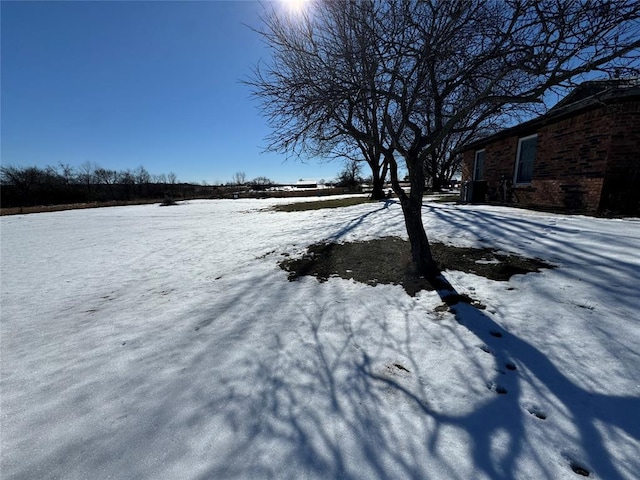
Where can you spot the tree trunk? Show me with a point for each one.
(411, 204)
(378, 185)
(378, 192)
(436, 185)
(378, 175)
(421, 255)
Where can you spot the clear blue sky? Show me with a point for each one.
(124, 84)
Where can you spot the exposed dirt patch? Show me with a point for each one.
(319, 204)
(388, 261)
(485, 262)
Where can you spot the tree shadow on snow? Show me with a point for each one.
(586, 409)
(344, 393)
(338, 412)
(547, 237)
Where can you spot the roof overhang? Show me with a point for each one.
(560, 112)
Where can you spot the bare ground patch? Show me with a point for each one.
(388, 261)
(319, 204)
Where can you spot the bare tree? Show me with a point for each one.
(142, 175)
(302, 91)
(239, 178)
(107, 177)
(261, 181)
(143, 178)
(23, 178)
(86, 175)
(125, 179)
(409, 78)
(63, 173)
(66, 184)
(160, 178)
(358, 152)
(351, 175)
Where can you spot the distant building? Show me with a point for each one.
(306, 184)
(583, 155)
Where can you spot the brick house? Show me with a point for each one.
(582, 155)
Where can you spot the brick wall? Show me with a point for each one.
(573, 158)
(621, 190)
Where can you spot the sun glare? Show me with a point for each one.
(295, 6)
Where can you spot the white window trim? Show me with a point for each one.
(475, 162)
(515, 173)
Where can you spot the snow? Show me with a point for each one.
(165, 342)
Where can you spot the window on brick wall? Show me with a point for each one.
(478, 166)
(524, 159)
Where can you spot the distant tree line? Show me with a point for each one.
(350, 178)
(62, 184)
(90, 183)
(240, 179)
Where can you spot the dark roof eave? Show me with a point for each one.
(556, 115)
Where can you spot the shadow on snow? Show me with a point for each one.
(339, 410)
(335, 414)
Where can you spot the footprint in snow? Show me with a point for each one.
(536, 412)
(494, 387)
(396, 370)
(578, 467)
(399, 366)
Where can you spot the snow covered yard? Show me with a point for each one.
(148, 342)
